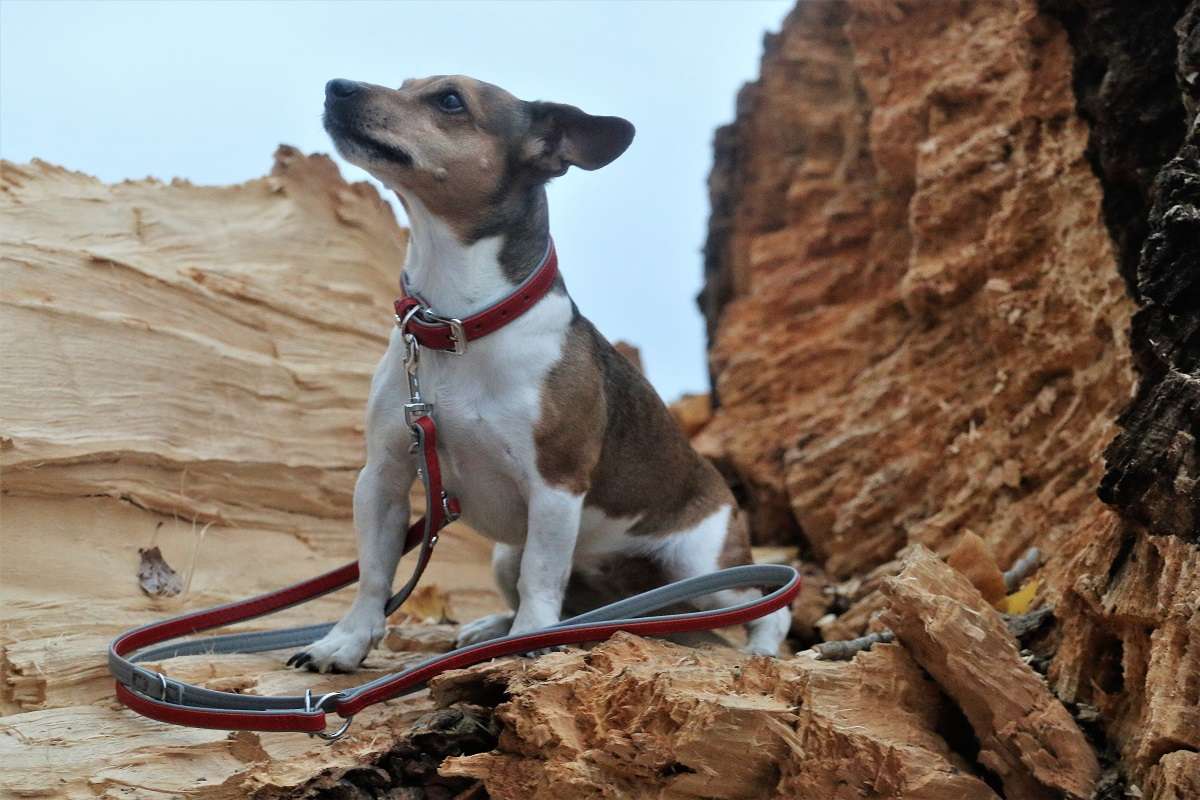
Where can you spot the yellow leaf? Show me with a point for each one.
(1019, 601)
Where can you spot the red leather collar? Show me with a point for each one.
(445, 333)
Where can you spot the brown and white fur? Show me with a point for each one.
(557, 447)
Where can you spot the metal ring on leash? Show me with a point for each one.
(339, 733)
(310, 706)
(162, 680)
(402, 322)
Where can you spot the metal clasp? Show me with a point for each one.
(310, 706)
(416, 407)
(458, 334)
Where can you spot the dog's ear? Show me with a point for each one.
(562, 136)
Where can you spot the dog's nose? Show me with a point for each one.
(341, 88)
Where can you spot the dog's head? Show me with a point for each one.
(463, 147)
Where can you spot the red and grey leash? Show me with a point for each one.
(154, 695)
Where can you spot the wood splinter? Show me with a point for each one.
(847, 648)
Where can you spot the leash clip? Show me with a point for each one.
(416, 407)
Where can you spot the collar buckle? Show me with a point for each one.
(458, 334)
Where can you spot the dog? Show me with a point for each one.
(557, 447)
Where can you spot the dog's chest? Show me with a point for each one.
(486, 404)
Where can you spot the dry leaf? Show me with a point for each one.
(155, 575)
(429, 603)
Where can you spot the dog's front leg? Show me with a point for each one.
(381, 510)
(546, 560)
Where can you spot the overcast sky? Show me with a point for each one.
(205, 91)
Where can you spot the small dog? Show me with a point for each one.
(557, 447)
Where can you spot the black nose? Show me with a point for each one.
(340, 87)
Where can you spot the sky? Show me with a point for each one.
(206, 91)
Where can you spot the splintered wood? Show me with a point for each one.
(641, 718)
(949, 711)
(1025, 734)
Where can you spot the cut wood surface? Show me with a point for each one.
(185, 368)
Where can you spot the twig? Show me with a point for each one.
(1019, 571)
(846, 649)
(196, 542)
(1022, 626)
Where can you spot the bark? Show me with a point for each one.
(1135, 80)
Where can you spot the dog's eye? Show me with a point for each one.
(451, 102)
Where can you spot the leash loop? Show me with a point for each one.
(207, 708)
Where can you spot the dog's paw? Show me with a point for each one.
(533, 619)
(343, 649)
(545, 651)
(753, 649)
(492, 626)
(533, 622)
